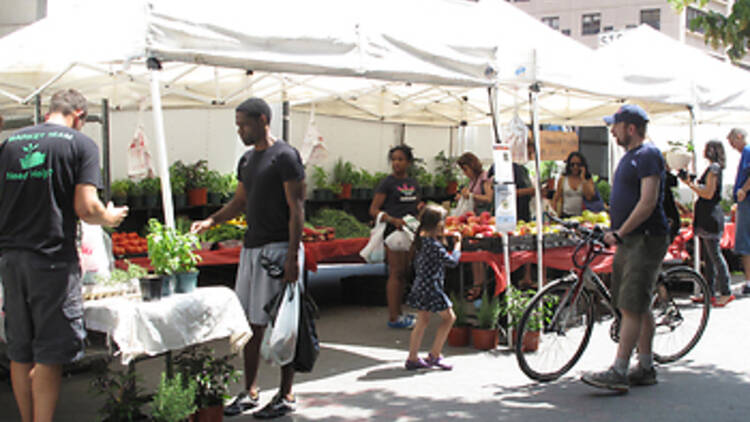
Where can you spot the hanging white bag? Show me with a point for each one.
(464, 204)
(95, 253)
(313, 146)
(401, 240)
(280, 344)
(139, 156)
(374, 250)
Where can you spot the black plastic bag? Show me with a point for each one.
(308, 346)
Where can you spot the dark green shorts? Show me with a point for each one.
(635, 270)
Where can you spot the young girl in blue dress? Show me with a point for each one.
(427, 294)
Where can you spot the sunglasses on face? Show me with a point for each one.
(576, 164)
(273, 269)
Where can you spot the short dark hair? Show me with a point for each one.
(67, 102)
(584, 164)
(639, 127)
(403, 148)
(254, 107)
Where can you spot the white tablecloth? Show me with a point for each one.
(149, 328)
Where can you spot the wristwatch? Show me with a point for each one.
(617, 237)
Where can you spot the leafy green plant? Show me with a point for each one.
(120, 188)
(459, 309)
(446, 167)
(364, 179)
(319, 177)
(174, 400)
(134, 189)
(547, 170)
(379, 177)
(229, 183)
(178, 177)
(425, 179)
(212, 375)
(123, 399)
(214, 181)
(604, 189)
(345, 224)
(150, 186)
(417, 168)
(488, 312)
(196, 175)
(169, 251)
(439, 181)
(344, 172)
(514, 303)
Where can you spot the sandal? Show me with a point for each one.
(474, 293)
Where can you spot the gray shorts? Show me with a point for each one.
(635, 270)
(43, 308)
(254, 287)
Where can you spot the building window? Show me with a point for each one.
(691, 14)
(566, 32)
(651, 17)
(608, 28)
(591, 23)
(552, 21)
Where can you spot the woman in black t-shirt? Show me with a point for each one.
(708, 222)
(396, 196)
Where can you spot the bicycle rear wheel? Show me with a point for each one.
(565, 324)
(680, 318)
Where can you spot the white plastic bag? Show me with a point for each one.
(94, 252)
(515, 134)
(139, 156)
(374, 250)
(401, 240)
(313, 147)
(463, 205)
(280, 340)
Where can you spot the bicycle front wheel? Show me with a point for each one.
(680, 306)
(563, 324)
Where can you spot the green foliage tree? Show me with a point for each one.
(731, 32)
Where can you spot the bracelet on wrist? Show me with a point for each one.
(617, 237)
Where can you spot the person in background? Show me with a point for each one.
(396, 196)
(639, 228)
(427, 293)
(671, 207)
(709, 222)
(480, 191)
(271, 193)
(575, 184)
(738, 140)
(50, 175)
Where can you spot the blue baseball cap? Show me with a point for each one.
(629, 113)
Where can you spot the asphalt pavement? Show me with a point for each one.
(360, 377)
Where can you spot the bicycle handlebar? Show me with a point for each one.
(594, 238)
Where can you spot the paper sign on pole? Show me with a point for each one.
(557, 145)
(505, 207)
(503, 163)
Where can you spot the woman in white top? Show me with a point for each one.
(573, 186)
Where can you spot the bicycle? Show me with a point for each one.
(563, 312)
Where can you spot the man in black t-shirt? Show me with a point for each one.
(49, 174)
(271, 192)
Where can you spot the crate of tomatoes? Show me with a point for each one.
(128, 244)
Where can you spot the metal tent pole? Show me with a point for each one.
(166, 188)
(107, 172)
(696, 240)
(534, 90)
(38, 116)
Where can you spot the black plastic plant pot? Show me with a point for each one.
(120, 200)
(135, 201)
(151, 201)
(214, 198)
(151, 287)
(180, 200)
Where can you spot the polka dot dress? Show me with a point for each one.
(427, 292)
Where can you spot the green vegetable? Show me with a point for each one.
(223, 232)
(346, 225)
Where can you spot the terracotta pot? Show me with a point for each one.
(484, 339)
(346, 191)
(530, 341)
(197, 196)
(459, 336)
(208, 414)
(451, 188)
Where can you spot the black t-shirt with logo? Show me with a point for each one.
(263, 174)
(401, 196)
(40, 167)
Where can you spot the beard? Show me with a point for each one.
(625, 140)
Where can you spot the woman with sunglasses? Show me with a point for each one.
(573, 186)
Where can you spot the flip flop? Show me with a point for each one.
(719, 304)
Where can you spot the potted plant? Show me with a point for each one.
(174, 400)
(135, 195)
(344, 175)
(150, 187)
(445, 166)
(196, 182)
(322, 191)
(212, 377)
(366, 183)
(177, 179)
(123, 399)
(163, 244)
(458, 336)
(215, 185)
(187, 260)
(515, 303)
(679, 155)
(119, 189)
(425, 183)
(484, 336)
(229, 186)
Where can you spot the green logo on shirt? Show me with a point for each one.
(33, 158)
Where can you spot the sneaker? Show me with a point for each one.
(438, 362)
(639, 375)
(412, 365)
(402, 321)
(277, 407)
(240, 404)
(609, 379)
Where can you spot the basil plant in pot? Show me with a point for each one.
(516, 301)
(187, 261)
(459, 334)
(163, 244)
(212, 376)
